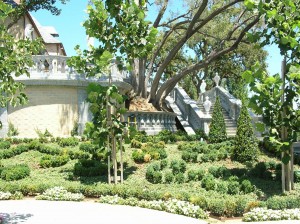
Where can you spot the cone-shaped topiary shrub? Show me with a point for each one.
(245, 144)
(217, 130)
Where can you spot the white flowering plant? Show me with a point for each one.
(9, 196)
(173, 206)
(59, 194)
(5, 195)
(264, 214)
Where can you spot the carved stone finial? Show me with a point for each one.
(207, 105)
(217, 79)
(203, 86)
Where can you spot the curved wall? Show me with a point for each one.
(54, 108)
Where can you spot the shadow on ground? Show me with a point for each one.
(14, 218)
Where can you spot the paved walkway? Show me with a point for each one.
(46, 212)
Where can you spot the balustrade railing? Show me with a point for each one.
(55, 66)
(151, 122)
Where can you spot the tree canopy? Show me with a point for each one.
(15, 59)
(32, 5)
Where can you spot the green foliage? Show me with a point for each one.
(280, 202)
(179, 178)
(74, 131)
(154, 174)
(12, 130)
(245, 144)
(102, 127)
(219, 171)
(5, 145)
(192, 175)
(88, 147)
(267, 170)
(297, 176)
(53, 161)
(233, 187)
(15, 172)
(166, 136)
(15, 59)
(89, 168)
(247, 187)
(208, 182)
(217, 129)
(136, 144)
(178, 166)
(78, 154)
(169, 177)
(71, 141)
(122, 31)
(148, 152)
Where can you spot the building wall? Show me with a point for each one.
(54, 108)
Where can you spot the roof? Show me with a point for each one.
(46, 32)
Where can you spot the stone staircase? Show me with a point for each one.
(231, 125)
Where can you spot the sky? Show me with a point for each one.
(72, 33)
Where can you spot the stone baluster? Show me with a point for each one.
(158, 120)
(153, 120)
(147, 120)
(54, 66)
(138, 121)
(142, 121)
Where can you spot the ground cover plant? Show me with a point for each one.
(212, 181)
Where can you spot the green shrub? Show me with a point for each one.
(217, 130)
(166, 136)
(245, 144)
(153, 149)
(201, 201)
(201, 134)
(5, 145)
(53, 161)
(233, 187)
(164, 163)
(48, 149)
(247, 187)
(219, 171)
(192, 175)
(71, 141)
(89, 168)
(78, 154)
(88, 147)
(201, 173)
(136, 144)
(15, 172)
(189, 156)
(19, 149)
(138, 156)
(178, 166)
(169, 177)
(222, 187)
(297, 176)
(179, 178)
(153, 173)
(208, 182)
(35, 145)
(217, 207)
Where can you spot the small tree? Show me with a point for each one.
(245, 144)
(217, 131)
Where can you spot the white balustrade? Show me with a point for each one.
(153, 122)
